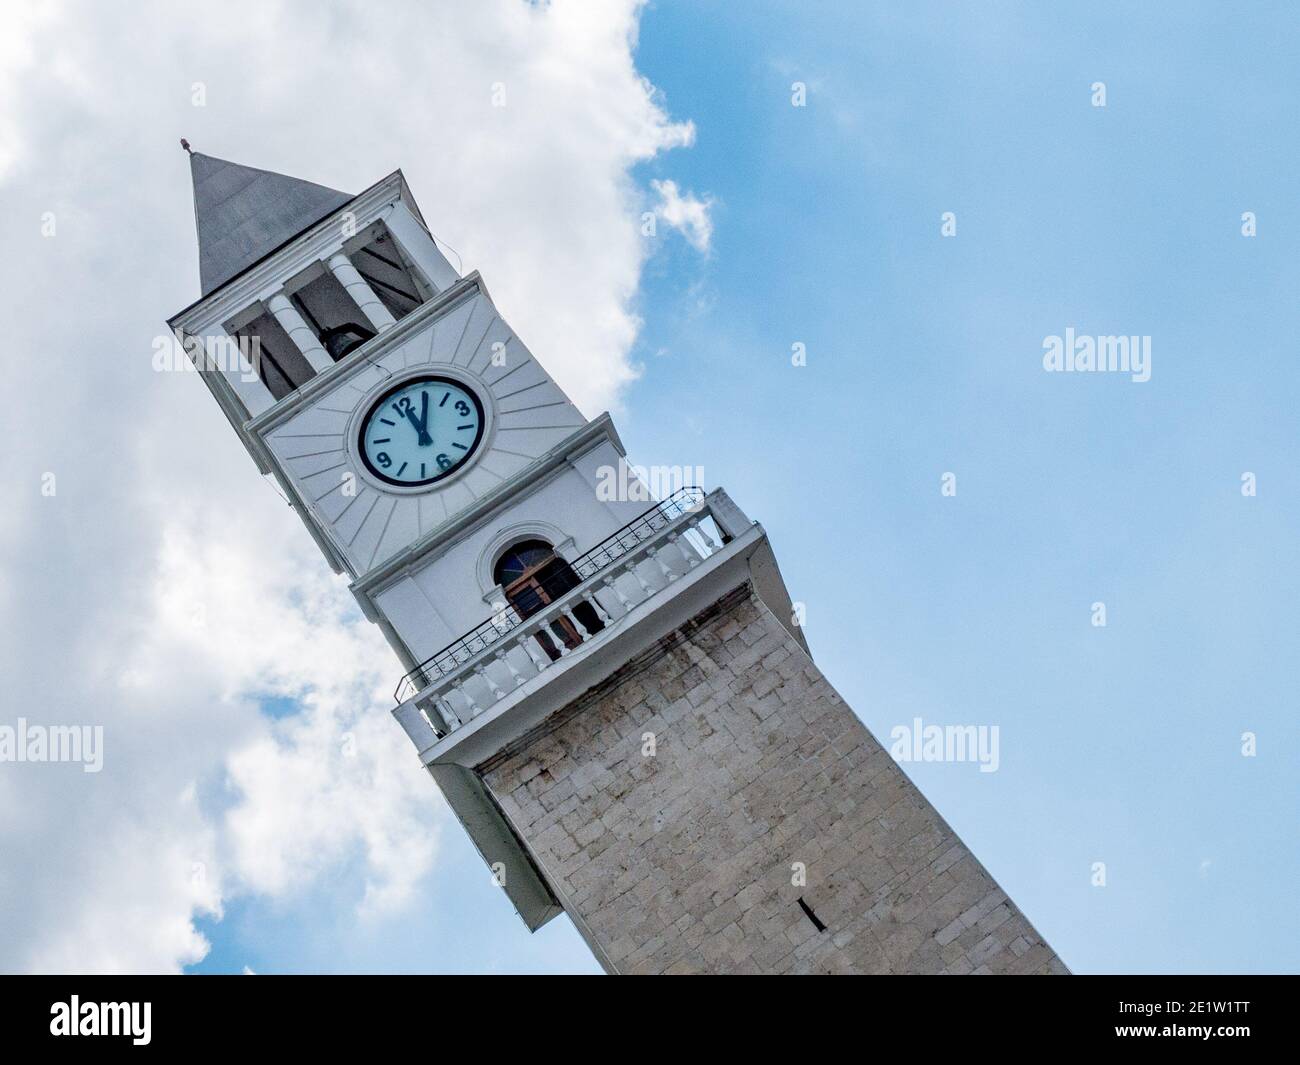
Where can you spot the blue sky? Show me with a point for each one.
(1119, 744)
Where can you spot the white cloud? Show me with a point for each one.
(163, 590)
(686, 213)
(314, 787)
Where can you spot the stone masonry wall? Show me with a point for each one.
(681, 861)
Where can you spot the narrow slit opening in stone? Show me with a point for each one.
(811, 916)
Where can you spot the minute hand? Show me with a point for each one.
(424, 439)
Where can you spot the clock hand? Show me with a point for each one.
(424, 438)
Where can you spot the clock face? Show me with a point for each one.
(421, 431)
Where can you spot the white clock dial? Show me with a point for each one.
(421, 431)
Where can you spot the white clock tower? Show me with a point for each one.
(611, 692)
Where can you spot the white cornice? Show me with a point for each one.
(312, 244)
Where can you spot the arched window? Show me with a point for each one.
(520, 559)
(532, 576)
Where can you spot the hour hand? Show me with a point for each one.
(424, 438)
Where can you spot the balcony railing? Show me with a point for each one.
(617, 575)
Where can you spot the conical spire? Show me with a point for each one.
(242, 214)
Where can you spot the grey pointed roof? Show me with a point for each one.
(243, 214)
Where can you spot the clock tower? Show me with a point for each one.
(612, 692)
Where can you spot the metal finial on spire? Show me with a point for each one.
(186, 145)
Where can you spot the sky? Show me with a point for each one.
(947, 510)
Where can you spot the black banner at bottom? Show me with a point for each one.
(370, 1013)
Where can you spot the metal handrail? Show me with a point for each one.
(484, 635)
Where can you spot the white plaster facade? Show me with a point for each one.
(421, 558)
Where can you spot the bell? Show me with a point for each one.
(343, 338)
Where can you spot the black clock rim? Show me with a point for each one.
(385, 396)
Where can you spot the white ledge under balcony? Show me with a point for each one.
(623, 581)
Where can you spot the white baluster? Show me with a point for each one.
(472, 708)
(612, 584)
(561, 645)
(669, 575)
(534, 652)
(683, 546)
(486, 677)
(448, 715)
(430, 712)
(502, 656)
(600, 610)
(578, 625)
(635, 570)
(709, 545)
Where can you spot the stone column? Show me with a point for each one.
(299, 332)
(362, 294)
(420, 247)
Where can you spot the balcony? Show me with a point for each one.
(618, 576)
